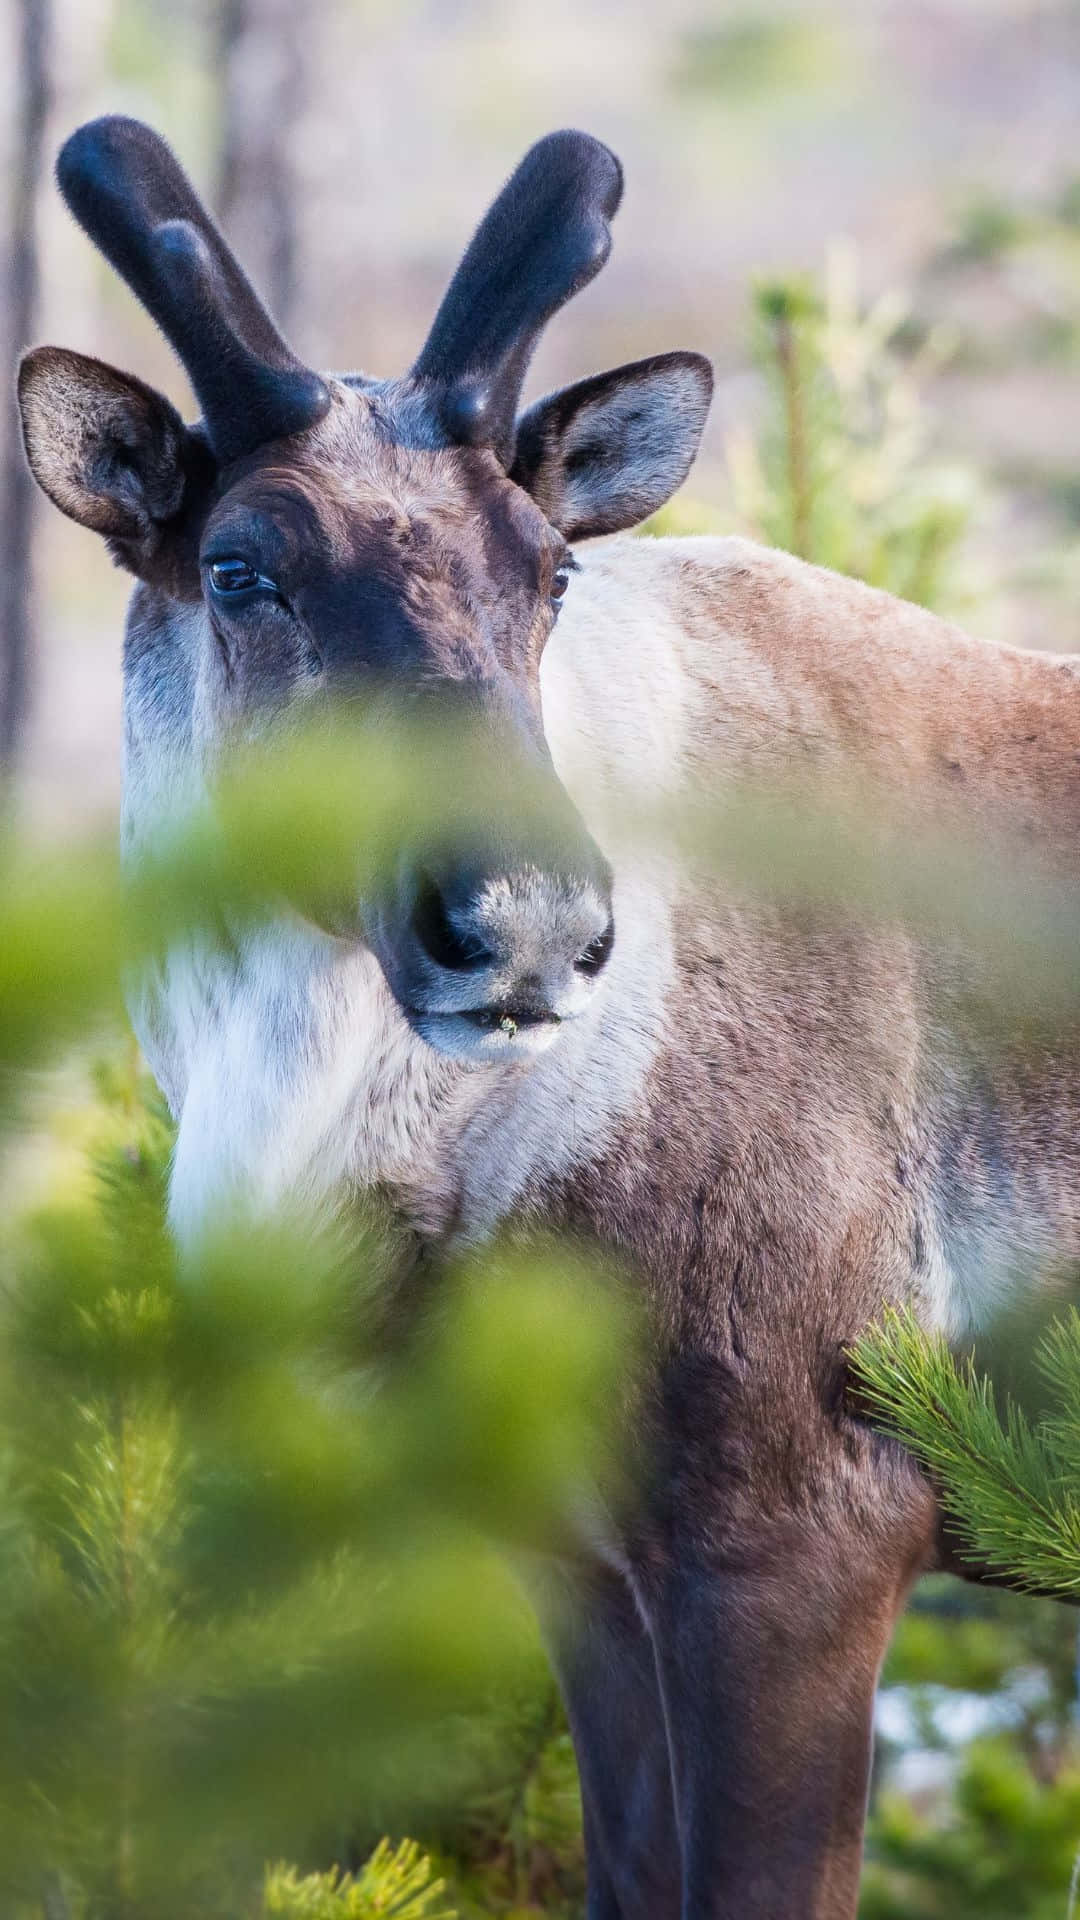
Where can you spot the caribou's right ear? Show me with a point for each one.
(604, 454)
(108, 450)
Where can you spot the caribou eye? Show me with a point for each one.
(561, 579)
(238, 576)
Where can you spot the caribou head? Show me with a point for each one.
(405, 541)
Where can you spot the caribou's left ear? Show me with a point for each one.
(111, 452)
(604, 454)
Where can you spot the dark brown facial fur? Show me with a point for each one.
(407, 567)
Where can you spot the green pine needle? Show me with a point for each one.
(1007, 1483)
(396, 1883)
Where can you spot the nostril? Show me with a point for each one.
(598, 952)
(439, 937)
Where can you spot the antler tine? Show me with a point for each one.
(543, 239)
(129, 193)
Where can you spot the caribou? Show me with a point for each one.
(755, 1108)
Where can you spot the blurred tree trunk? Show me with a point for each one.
(262, 48)
(34, 22)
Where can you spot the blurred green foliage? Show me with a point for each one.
(746, 54)
(1016, 257)
(1003, 1848)
(515, 1841)
(843, 472)
(986, 227)
(843, 469)
(245, 1582)
(978, 1640)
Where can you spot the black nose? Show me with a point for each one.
(439, 937)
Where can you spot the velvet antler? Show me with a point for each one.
(541, 241)
(128, 191)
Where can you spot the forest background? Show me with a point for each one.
(869, 216)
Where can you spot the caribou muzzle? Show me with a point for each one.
(491, 959)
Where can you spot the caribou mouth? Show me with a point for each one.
(477, 1034)
(509, 1019)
